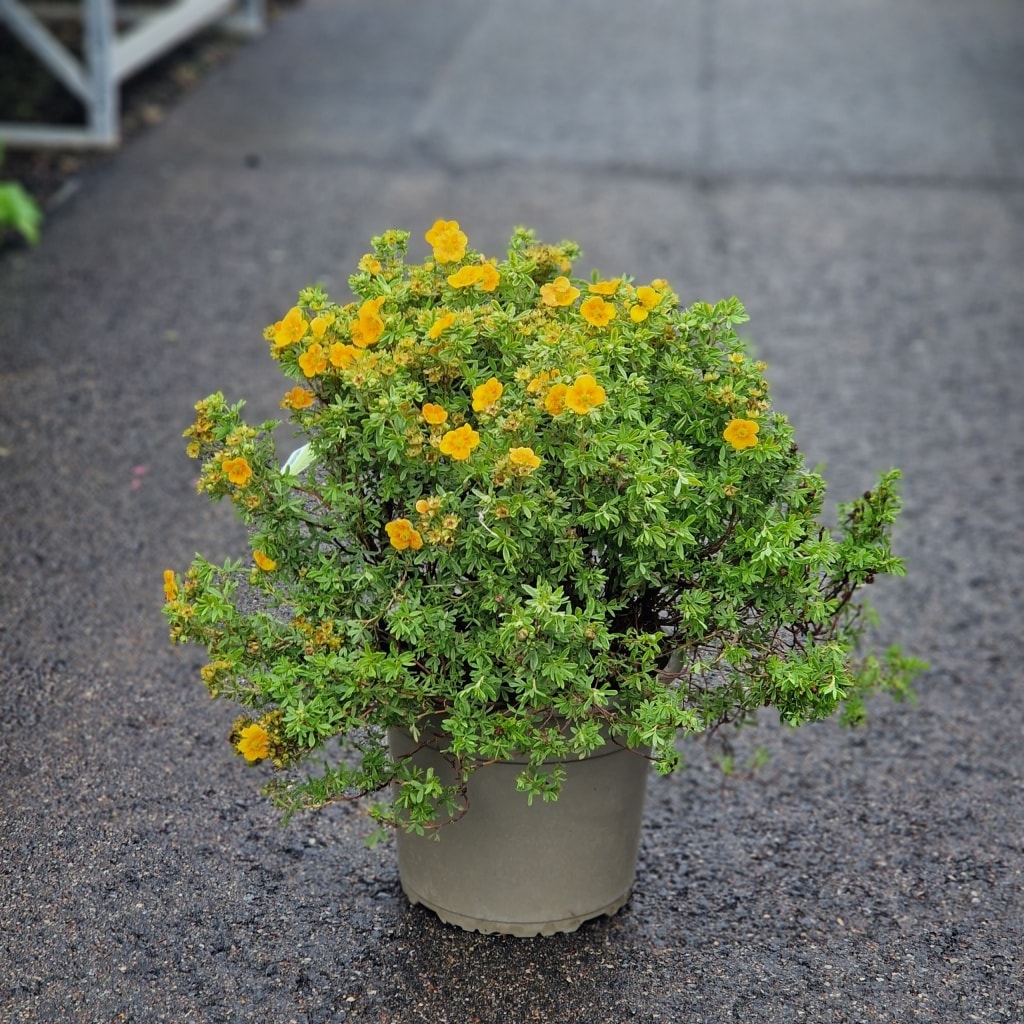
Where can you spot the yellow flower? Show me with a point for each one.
(741, 433)
(319, 324)
(459, 443)
(605, 287)
(297, 398)
(647, 297)
(368, 326)
(448, 242)
(370, 264)
(559, 292)
(253, 742)
(441, 324)
(290, 329)
(435, 415)
(313, 360)
(403, 534)
(264, 561)
(342, 355)
(486, 394)
(554, 402)
(596, 311)
(465, 278)
(584, 394)
(541, 381)
(489, 277)
(238, 470)
(485, 277)
(428, 506)
(638, 314)
(170, 585)
(524, 459)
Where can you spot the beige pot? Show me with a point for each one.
(517, 869)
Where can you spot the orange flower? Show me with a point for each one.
(290, 329)
(584, 394)
(253, 743)
(368, 326)
(554, 402)
(638, 314)
(524, 459)
(342, 355)
(313, 360)
(370, 264)
(441, 324)
(238, 470)
(297, 398)
(435, 415)
(459, 443)
(403, 534)
(170, 585)
(559, 292)
(741, 433)
(596, 311)
(448, 242)
(486, 394)
(264, 561)
(605, 287)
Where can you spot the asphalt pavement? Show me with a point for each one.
(854, 172)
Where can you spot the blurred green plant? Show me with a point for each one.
(18, 209)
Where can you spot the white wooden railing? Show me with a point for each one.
(109, 55)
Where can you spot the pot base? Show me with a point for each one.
(519, 929)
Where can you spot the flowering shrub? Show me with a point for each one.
(548, 512)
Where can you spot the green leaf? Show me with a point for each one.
(20, 211)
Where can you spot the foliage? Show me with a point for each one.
(544, 512)
(18, 209)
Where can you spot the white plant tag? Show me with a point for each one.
(299, 460)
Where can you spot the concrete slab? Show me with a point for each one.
(867, 88)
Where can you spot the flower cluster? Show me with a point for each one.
(522, 498)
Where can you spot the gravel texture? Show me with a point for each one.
(855, 172)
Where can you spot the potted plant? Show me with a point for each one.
(539, 528)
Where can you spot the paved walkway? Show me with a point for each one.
(854, 171)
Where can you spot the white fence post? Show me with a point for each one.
(110, 57)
